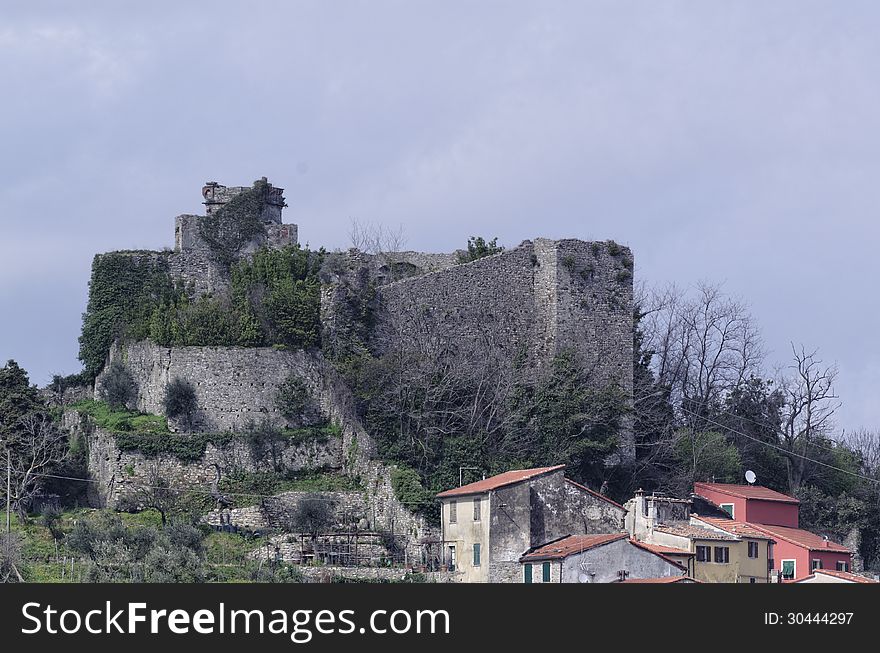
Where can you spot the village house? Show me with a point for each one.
(716, 550)
(596, 559)
(487, 526)
(796, 552)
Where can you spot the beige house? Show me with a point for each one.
(720, 550)
(489, 525)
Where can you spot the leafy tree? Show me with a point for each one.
(117, 387)
(180, 399)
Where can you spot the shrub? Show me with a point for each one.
(478, 247)
(312, 514)
(180, 399)
(292, 398)
(117, 387)
(408, 489)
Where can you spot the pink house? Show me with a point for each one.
(796, 553)
(752, 503)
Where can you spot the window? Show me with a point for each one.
(753, 549)
(722, 554)
(476, 555)
(451, 557)
(453, 512)
(527, 573)
(788, 569)
(842, 566)
(477, 509)
(817, 564)
(545, 573)
(728, 508)
(703, 554)
(752, 580)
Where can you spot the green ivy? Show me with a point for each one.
(123, 292)
(229, 229)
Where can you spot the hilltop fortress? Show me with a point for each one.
(528, 304)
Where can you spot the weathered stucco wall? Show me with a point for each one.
(600, 565)
(542, 509)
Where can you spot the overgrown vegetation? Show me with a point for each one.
(180, 399)
(247, 488)
(478, 247)
(238, 222)
(117, 387)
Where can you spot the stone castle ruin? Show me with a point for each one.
(528, 303)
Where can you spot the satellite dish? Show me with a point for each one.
(750, 477)
(583, 578)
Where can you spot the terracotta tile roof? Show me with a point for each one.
(571, 545)
(694, 532)
(594, 493)
(662, 550)
(667, 579)
(843, 575)
(656, 550)
(500, 480)
(745, 492)
(733, 527)
(801, 537)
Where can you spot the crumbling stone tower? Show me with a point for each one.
(192, 261)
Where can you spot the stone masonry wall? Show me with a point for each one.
(236, 385)
(539, 299)
(119, 473)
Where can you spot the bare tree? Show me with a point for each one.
(383, 242)
(810, 404)
(37, 448)
(867, 444)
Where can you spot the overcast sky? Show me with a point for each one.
(729, 142)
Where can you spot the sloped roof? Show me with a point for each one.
(571, 545)
(663, 550)
(666, 579)
(499, 480)
(801, 537)
(695, 532)
(843, 575)
(746, 492)
(656, 550)
(733, 527)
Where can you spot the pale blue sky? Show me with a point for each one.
(734, 142)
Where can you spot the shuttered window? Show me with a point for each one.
(527, 573)
(545, 573)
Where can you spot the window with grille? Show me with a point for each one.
(453, 512)
(476, 510)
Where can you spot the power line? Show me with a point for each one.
(208, 492)
(782, 449)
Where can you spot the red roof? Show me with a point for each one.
(663, 550)
(745, 492)
(571, 545)
(500, 480)
(656, 550)
(666, 579)
(843, 575)
(733, 527)
(594, 493)
(801, 538)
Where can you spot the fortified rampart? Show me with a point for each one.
(535, 301)
(236, 386)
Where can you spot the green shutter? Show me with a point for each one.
(545, 573)
(527, 573)
(476, 555)
(788, 568)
